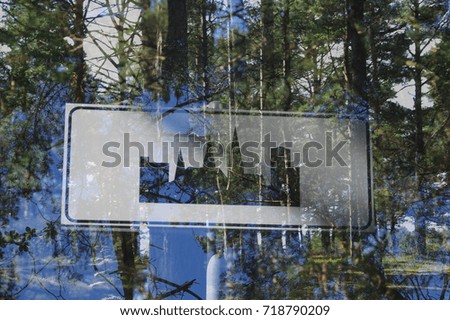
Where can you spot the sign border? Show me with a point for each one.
(109, 223)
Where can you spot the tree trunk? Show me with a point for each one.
(287, 59)
(125, 246)
(356, 36)
(347, 71)
(122, 54)
(79, 33)
(230, 66)
(176, 49)
(267, 52)
(204, 49)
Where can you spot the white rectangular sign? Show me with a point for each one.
(212, 168)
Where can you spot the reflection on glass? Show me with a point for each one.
(337, 57)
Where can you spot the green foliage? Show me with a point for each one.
(291, 56)
(20, 240)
